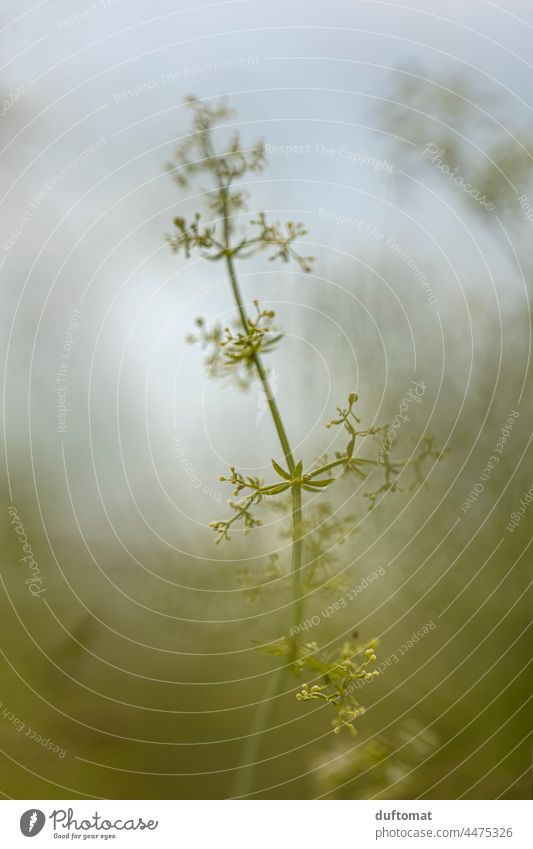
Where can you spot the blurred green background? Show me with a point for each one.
(138, 661)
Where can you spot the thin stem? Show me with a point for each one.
(265, 711)
(263, 716)
(274, 410)
(296, 564)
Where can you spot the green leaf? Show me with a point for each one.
(275, 489)
(323, 482)
(281, 472)
(298, 469)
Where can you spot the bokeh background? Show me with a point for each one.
(136, 662)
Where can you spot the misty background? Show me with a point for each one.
(138, 660)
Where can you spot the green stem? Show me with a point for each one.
(274, 410)
(263, 716)
(296, 564)
(245, 775)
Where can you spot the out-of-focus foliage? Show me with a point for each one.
(454, 129)
(389, 766)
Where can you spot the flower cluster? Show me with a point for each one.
(338, 673)
(232, 353)
(350, 665)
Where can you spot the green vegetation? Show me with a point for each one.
(239, 353)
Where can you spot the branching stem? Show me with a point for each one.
(265, 711)
(241, 357)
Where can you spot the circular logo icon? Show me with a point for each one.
(32, 822)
